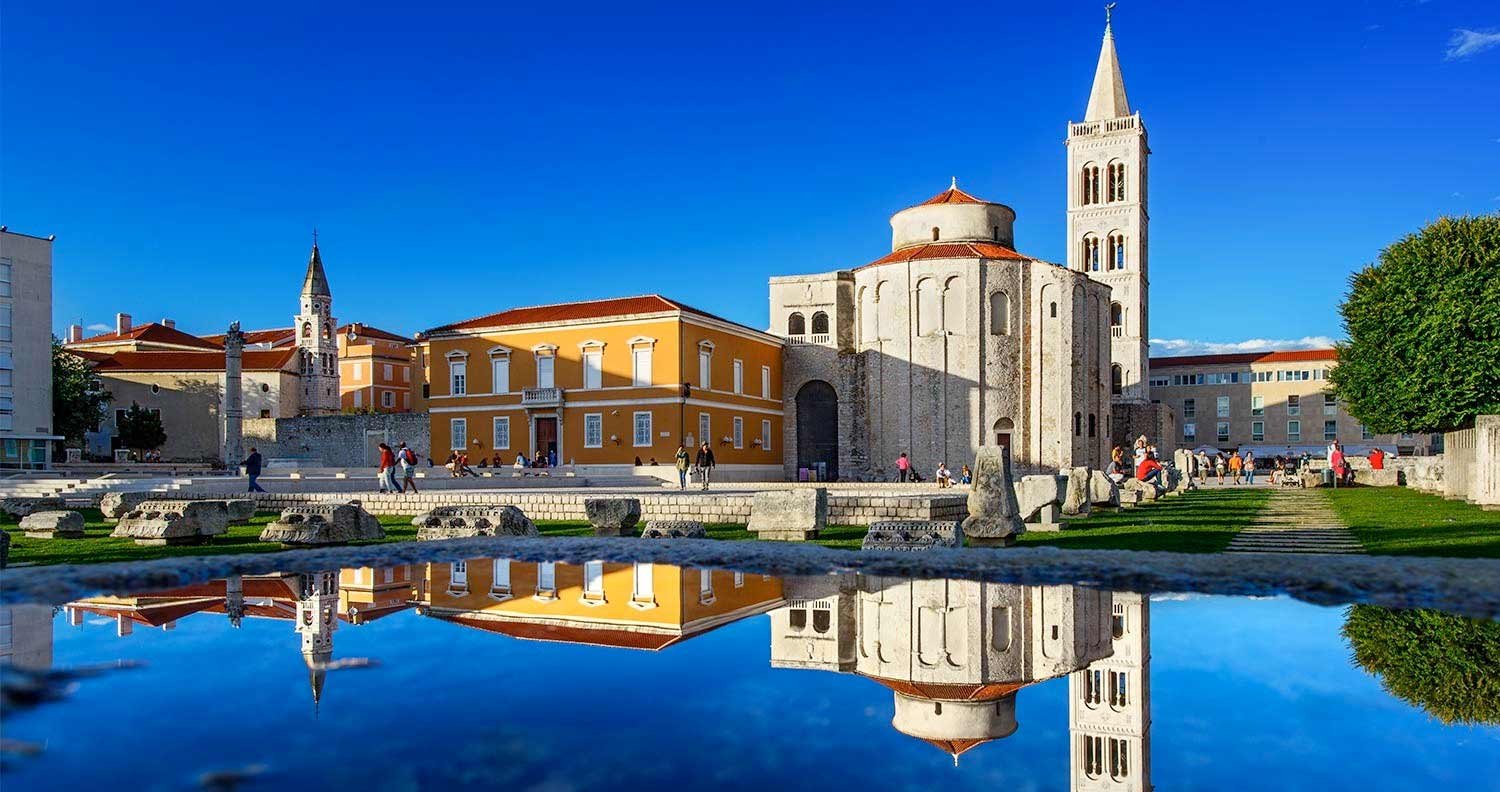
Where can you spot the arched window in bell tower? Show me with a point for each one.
(796, 325)
(1116, 379)
(1116, 182)
(1116, 259)
(934, 233)
(1090, 185)
(1090, 254)
(307, 329)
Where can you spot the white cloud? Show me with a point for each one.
(1186, 346)
(99, 328)
(1467, 43)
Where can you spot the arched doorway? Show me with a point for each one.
(818, 429)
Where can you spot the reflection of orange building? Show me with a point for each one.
(633, 606)
(366, 594)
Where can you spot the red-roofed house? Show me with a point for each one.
(607, 383)
(375, 365)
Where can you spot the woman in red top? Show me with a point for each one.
(1377, 459)
(1149, 471)
(387, 475)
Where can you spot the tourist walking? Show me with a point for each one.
(683, 462)
(386, 477)
(1234, 466)
(903, 467)
(1220, 466)
(704, 464)
(252, 469)
(1249, 466)
(1203, 467)
(406, 459)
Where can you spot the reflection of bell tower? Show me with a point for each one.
(815, 629)
(1109, 707)
(317, 617)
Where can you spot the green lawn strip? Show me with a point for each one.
(99, 548)
(1400, 521)
(1202, 521)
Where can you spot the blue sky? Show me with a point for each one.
(458, 160)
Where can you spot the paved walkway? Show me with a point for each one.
(1296, 521)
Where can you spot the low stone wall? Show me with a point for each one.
(1422, 473)
(337, 440)
(842, 509)
(1472, 463)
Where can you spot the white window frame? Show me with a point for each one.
(388, 399)
(739, 377)
(550, 369)
(500, 431)
(765, 382)
(705, 586)
(546, 579)
(1257, 405)
(389, 371)
(738, 431)
(1294, 436)
(706, 365)
(597, 419)
(635, 429)
(705, 428)
(643, 590)
(354, 370)
(1189, 432)
(458, 576)
(7, 271)
(1334, 426)
(1258, 431)
(593, 368)
(1221, 407)
(1221, 431)
(458, 376)
(593, 582)
(1294, 405)
(499, 372)
(765, 435)
(1330, 404)
(641, 361)
(500, 578)
(359, 398)
(458, 429)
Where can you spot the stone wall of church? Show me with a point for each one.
(337, 440)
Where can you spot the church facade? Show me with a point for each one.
(956, 341)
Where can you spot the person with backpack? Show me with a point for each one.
(407, 460)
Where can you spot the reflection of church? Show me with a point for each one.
(956, 653)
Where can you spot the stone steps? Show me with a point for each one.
(1296, 521)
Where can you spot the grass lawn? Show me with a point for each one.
(1203, 521)
(1400, 521)
(98, 547)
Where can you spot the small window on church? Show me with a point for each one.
(1093, 425)
(995, 234)
(1052, 310)
(1077, 424)
(307, 329)
(934, 233)
(796, 325)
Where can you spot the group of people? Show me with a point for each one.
(536, 465)
(1143, 464)
(700, 465)
(1239, 468)
(905, 472)
(400, 461)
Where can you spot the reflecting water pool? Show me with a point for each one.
(507, 674)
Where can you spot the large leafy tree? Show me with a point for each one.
(140, 429)
(1423, 325)
(1447, 665)
(78, 398)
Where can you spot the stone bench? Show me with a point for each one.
(53, 525)
(789, 515)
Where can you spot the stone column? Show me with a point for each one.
(234, 397)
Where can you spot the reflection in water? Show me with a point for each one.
(1445, 664)
(956, 653)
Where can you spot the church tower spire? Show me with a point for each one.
(316, 341)
(1108, 218)
(1107, 99)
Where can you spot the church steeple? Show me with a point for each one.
(1107, 99)
(316, 282)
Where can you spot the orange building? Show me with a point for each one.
(630, 606)
(606, 382)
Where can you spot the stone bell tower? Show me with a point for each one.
(317, 618)
(1108, 217)
(316, 344)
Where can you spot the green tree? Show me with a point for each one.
(140, 429)
(1447, 665)
(78, 398)
(1423, 325)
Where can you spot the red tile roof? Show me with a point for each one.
(953, 195)
(254, 360)
(1235, 358)
(152, 332)
(588, 309)
(375, 332)
(274, 337)
(950, 250)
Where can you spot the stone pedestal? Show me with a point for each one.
(240, 510)
(173, 522)
(1103, 491)
(613, 516)
(323, 524)
(789, 515)
(674, 529)
(451, 522)
(1129, 498)
(993, 520)
(53, 525)
(1047, 519)
(1145, 492)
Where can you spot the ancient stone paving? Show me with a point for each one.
(1296, 521)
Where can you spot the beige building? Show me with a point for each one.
(1267, 402)
(26, 436)
(375, 365)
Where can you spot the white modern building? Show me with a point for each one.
(26, 436)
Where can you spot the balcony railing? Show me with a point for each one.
(1111, 125)
(541, 397)
(1116, 331)
(810, 338)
